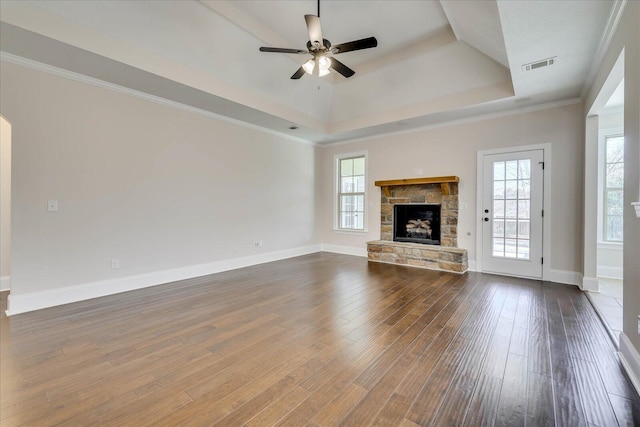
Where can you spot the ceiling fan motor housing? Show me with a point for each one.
(326, 47)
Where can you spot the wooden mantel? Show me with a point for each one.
(442, 180)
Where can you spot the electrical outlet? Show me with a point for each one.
(258, 244)
(464, 206)
(52, 205)
(115, 264)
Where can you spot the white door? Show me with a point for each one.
(512, 213)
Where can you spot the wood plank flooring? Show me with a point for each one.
(318, 340)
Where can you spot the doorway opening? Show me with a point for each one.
(604, 201)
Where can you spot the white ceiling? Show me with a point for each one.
(436, 61)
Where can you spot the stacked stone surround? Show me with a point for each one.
(447, 256)
(423, 193)
(418, 255)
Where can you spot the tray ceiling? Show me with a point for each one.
(436, 61)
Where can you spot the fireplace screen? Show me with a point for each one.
(419, 223)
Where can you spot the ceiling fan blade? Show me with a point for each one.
(298, 74)
(315, 31)
(354, 45)
(282, 50)
(341, 68)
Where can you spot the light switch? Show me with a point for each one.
(52, 206)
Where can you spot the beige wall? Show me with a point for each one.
(154, 186)
(452, 150)
(5, 203)
(627, 37)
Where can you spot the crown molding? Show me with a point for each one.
(605, 41)
(478, 118)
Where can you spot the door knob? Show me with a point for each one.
(486, 211)
(486, 219)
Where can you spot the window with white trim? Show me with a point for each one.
(351, 185)
(613, 197)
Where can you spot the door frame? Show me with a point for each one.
(546, 201)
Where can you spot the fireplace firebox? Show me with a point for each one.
(418, 223)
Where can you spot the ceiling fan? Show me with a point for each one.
(321, 49)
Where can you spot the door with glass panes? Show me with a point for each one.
(512, 213)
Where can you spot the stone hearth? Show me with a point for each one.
(437, 190)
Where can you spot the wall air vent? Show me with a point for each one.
(539, 64)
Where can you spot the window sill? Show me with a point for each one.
(343, 231)
(611, 245)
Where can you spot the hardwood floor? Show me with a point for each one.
(318, 340)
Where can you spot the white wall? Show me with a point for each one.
(5, 203)
(610, 261)
(156, 187)
(451, 150)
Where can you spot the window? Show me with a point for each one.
(613, 197)
(351, 192)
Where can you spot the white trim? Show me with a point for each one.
(546, 204)
(609, 272)
(564, 276)
(610, 246)
(605, 41)
(344, 250)
(38, 300)
(367, 191)
(5, 283)
(630, 360)
(345, 231)
(603, 134)
(466, 120)
(60, 72)
(591, 284)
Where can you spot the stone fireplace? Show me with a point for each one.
(419, 224)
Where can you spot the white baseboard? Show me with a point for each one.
(609, 272)
(630, 359)
(565, 276)
(37, 300)
(5, 283)
(344, 250)
(591, 284)
(472, 265)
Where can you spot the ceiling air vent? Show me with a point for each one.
(539, 64)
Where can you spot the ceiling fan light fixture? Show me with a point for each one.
(324, 63)
(319, 47)
(309, 66)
